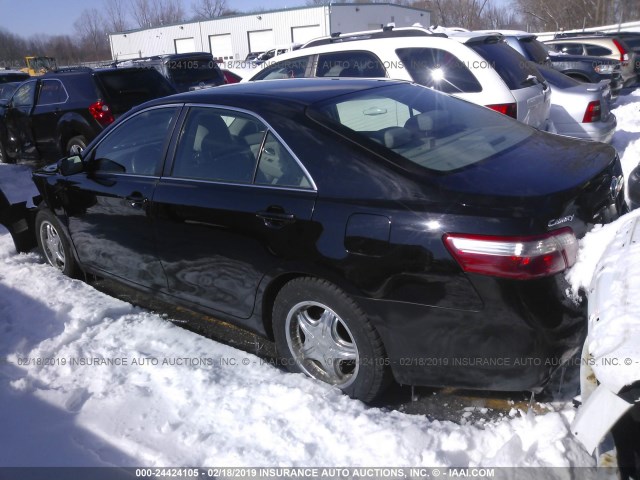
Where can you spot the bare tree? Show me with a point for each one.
(93, 36)
(206, 9)
(153, 13)
(117, 16)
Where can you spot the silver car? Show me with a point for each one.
(580, 110)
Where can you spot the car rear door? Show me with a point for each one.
(48, 109)
(107, 205)
(235, 204)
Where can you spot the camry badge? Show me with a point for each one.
(558, 221)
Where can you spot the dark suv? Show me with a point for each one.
(185, 71)
(63, 111)
(7, 76)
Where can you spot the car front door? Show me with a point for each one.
(108, 203)
(20, 140)
(235, 204)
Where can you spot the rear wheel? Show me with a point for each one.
(76, 144)
(320, 331)
(54, 244)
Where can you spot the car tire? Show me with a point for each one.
(54, 244)
(307, 306)
(76, 144)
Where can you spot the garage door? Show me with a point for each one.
(261, 40)
(306, 33)
(185, 45)
(221, 47)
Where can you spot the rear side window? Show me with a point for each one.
(438, 69)
(597, 50)
(350, 64)
(125, 89)
(52, 92)
(294, 68)
(512, 67)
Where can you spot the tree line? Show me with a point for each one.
(89, 40)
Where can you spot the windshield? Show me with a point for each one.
(433, 130)
(7, 89)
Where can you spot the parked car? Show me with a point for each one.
(580, 110)
(600, 46)
(230, 77)
(277, 50)
(61, 112)
(184, 71)
(370, 227)
(478, 68)
(608, 419)
(12, 76)
(579, 67)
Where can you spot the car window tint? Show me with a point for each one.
(569, 48)
(512, 67)
(208, 150)
(24, 95)
(52, 92)
(136, 145)
(277, 166)
(435, 131)
(294, 68)
(350, 64)
(126, 88)
(438, 69)
(558, 79)
(597, 50)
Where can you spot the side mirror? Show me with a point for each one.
(71, 165)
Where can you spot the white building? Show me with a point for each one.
(232, 38)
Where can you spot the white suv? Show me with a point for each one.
(480, 68)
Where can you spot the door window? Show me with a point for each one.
(52, 92)
(350, 64)
(208, 150)
(135, 146)
(294, 68)
(24, 95)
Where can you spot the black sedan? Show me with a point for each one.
(374, 229)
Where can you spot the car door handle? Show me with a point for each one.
(137, 200)
(275, 219)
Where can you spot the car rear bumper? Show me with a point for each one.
(595, 131)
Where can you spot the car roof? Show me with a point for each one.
(299, 90)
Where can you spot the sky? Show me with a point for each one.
(33, 17)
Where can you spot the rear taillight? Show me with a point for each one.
(101, 112)
(624, 56)
(520, 258)
(592, 113)
(509, 109)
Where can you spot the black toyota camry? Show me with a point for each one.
(374, 229)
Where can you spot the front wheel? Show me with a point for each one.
(320, 331)
(54, 244)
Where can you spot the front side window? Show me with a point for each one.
(438, 69)
(294, 68)
(435, 131)
(350, 64)
(24, 95)
(135, 146)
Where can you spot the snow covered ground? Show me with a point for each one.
(89, 380)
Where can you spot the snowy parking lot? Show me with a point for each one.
(90, 380)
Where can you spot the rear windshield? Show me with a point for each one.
(125, 89)
(193, 71)
(512, 67)
(14, 77)
(433, 130)
(438, 69)
(558, 79)
(535, 50)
